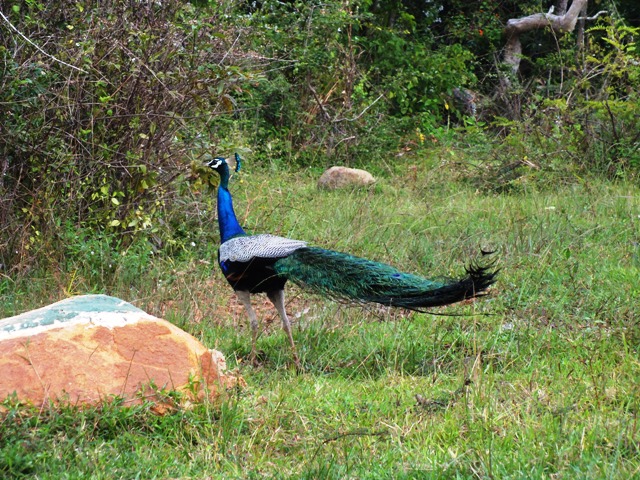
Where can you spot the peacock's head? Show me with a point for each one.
(224, 166)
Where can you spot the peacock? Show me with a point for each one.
(263, 263)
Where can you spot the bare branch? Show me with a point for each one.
(319, 102)
(37, 47)
(226, 54)
(361, 113)
(560, 24)
(601, 12)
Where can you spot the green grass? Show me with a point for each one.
(539, 380)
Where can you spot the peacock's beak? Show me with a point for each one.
(206, 160)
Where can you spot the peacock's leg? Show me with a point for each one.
(245, 299)
(277, 298)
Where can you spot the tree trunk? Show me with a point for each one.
(559, 24)
(561, 7)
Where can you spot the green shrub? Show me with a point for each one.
(99, 125)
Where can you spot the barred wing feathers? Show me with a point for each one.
(246, 248)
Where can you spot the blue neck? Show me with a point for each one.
(227, 221)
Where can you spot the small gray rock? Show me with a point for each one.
(339, 177)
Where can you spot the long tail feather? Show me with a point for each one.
(355, 279)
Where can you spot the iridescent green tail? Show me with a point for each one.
(355, 279)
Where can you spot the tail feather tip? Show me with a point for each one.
(482, 276)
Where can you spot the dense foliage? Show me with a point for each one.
(105, 105)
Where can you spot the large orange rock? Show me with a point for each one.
(88, 348)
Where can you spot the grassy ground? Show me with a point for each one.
(539, 380)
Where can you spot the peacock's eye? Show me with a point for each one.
(215, 163)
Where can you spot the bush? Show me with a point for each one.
(100, 122)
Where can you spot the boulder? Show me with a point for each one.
(339, 177)
(88, 348)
